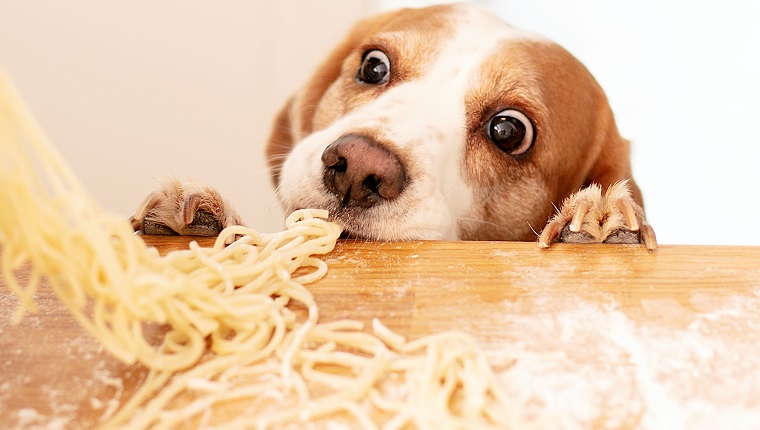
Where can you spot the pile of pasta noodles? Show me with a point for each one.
(229, 332)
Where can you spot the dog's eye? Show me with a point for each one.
(511, 131)
(375, 68)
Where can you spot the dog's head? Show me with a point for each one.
(444, 123)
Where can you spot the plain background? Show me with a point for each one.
(131, 92)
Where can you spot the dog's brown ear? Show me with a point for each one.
(613, 164)
(281, 141)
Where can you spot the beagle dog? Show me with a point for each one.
(440, 123)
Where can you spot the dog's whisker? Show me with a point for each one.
(537, 233)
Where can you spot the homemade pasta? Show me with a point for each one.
(230, 330)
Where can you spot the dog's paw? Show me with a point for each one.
(590, 217)
(184, 208)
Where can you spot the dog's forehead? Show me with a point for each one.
(455, 45)
(482, 27)
(464, 30)
(442, 19)
(480, 37)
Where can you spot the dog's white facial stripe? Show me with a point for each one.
(424, 120)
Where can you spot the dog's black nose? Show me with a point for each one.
(362, 172)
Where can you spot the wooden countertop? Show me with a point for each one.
(591, 336)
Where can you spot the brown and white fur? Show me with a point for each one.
(412, 156)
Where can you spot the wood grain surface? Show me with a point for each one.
(584, 336)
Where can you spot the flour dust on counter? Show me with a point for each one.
(73, 379)
(662, 364)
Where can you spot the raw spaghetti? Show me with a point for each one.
(231, 336)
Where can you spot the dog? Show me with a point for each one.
(440, 123)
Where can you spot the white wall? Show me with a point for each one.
(132, 91)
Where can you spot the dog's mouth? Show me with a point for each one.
(346, 220)
(349, 232)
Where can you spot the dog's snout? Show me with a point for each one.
(362, 172)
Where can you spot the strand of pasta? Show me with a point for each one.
(230, 334)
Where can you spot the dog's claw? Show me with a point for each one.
(580, 213)
(192, 203)
(590, 217)
(625, 205)
(549, 235)
(648, 237)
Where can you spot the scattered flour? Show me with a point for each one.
(593, 364)
(30, 419)
(83, 385)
